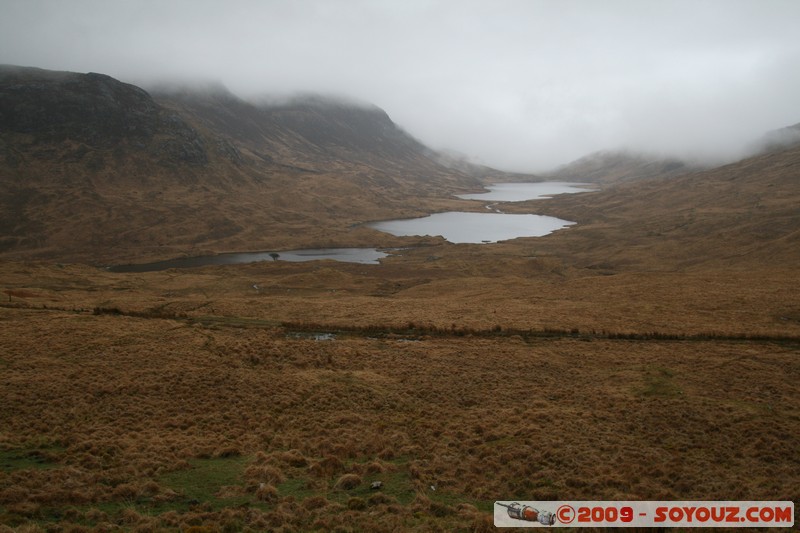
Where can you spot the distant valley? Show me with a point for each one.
(649, 351)
(100, 171)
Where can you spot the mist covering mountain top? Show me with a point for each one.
(88, 163)
(202, 400)
(92, 108)
(610, 166)
(525, 87)
(778, 139)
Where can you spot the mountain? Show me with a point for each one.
(61, 115)
(743, 214)
(616, 166)
(776, 140)
(318, 133)
(310, 132)
(94, 169)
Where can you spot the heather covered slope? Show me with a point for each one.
(742, 214)
(96, 170)
(608, 167)
(648, 352)
(454, 375)
(313, 133)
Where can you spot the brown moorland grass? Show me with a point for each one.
(133, 414)
(203, 399)
(608, 361)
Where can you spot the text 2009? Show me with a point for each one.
(604, 514)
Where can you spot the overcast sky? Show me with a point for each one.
(518, 84)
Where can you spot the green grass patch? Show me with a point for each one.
(200, 483)
(396, 485)
(452, 499)
(39, 458)
(204, 479)
(659, 383)
(297, 488)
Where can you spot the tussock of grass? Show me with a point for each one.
(267, 493)
(348, 482)
(150, 419)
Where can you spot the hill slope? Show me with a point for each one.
(744, 213)
(310, 133)
(93, 169)
(616, 166)
(777, 140)
(203, 397)
(96, 170)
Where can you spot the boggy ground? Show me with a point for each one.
(456, 375)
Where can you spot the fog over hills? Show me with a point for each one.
(304, 127)
(646, 351)
(525, 86)
(93, 166)
(614, 166)
(777, 139)
(97, 169)
(743, 213)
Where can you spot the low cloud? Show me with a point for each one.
(522, 85)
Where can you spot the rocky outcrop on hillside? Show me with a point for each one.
(92, 168)
(90, 108)
(90, 111)
(308, 132)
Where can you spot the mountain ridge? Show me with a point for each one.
(203, 171)
(742, 213)
(775, 140)
(94, 169)
(612, 166)
(323, 129)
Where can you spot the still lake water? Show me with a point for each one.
(459, 227)
(348, 255)
(456, 227)
(519, 192)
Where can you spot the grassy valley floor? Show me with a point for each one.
(648, 352)
(270, 396)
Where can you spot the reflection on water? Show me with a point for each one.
(455, 227)
(519, 192)
(349, 255)
(459, 227)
